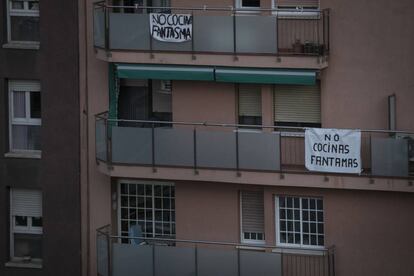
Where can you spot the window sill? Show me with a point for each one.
(27, 155)
(21, 264)
(22, 45)
(299, 251)
(251, 247)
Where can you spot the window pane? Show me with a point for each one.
(124, 189)
(26, 137)
(28, 245)
(19, 104)
(157, 190)
(17, 5)
(132, 189)
(34, 5)
(132, 201)
(37, 221)
(251, 3)
(21, 221)
(24, 28)
(283, 237)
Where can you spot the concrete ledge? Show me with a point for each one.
(285, 178)
(22, 45)
(214, 59)
(16, 264)
(298, 251)
(27, 155)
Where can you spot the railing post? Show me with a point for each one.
(193, 57)
(109, 248)
(195, 150)
(196, 259)
(150, 41)
(153, 147)
(108, 129)
(237, 153)
(107, 33)
(153, 260)
(234, 35)
(238, 262)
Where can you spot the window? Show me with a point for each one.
(252, 217)
(297, 105)
(162, 100)
(26, 225)
(298, 5)
(299, 222)
(25, 115)
(147, 207)
(23, 20)
(145, 100)
(250, 104)
(250, 4)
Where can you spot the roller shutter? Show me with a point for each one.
(250, 100)
(252, 212)
(297, 3)
(297, 104)
(26, 202)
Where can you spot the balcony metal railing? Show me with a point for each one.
(236, 147)
(226, 30)
(121, 256)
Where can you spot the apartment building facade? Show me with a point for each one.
(40, 216)
(199, 142)
(126, 154)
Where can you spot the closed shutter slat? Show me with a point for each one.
(26, 203)
(250, 101)
(297, 104)
(25, 85)
(252, 212)
(297, 3)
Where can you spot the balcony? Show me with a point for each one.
(121, 256)
(175, 147)
(220, 36)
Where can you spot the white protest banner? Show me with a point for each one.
(333, 150)
(171, 27)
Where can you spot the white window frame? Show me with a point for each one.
(277, 225)
(242, 239)
(18, 12)
(153, 183)
(298, 12)
(31, 86)
(29, 229)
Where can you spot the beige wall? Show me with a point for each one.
(372, 231)
(371, 57)
(200, 101)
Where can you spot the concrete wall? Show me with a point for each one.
(370, 230)
(55, 65)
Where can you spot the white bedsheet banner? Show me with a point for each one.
(171, 27)
(333, 150)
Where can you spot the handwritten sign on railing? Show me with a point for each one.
(333, 150)
(171, 27)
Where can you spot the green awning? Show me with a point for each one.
(272, 76)
(165, 72)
